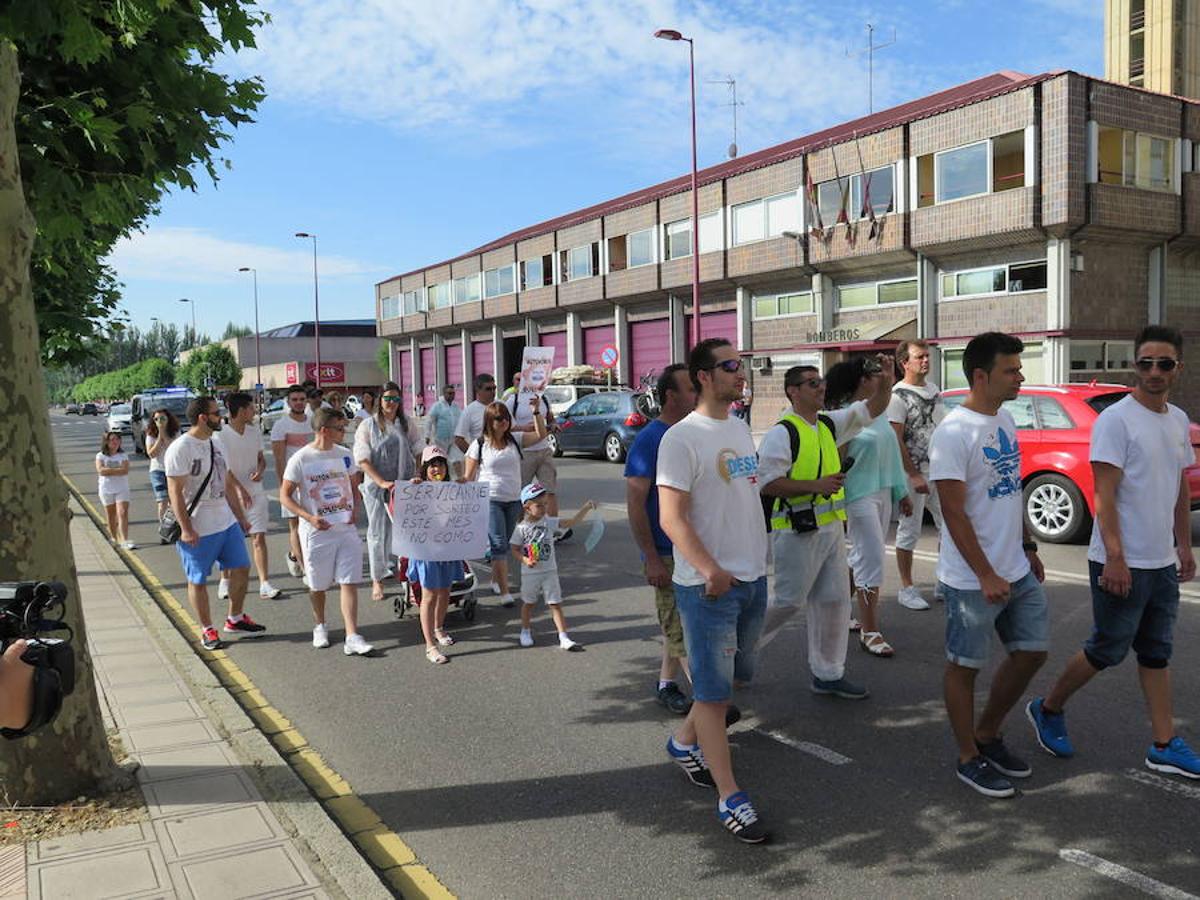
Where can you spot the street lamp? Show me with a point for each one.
(195, 339)
(668, 34)
(257, 345)
(316, 303)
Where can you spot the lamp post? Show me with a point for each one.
(316, 303)
(668, 34)
(257, 338)
(192, 303)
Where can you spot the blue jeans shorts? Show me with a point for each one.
(1144, 620)
(503, 516)
(228, 548)
(158, 481)
(1022, 623)
(720, 634)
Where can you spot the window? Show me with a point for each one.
(414, 302)
(389, 307)
(1136, 160)
(1032, 367)
(1011, 279)
(748, 223)
(640, 247)
(1027, 277)
(859, 295)
(1008, 161)
(829, 199)
(769, 217)
(783, 305)
(497, 282)
(1051, 414)
(1101, 356)
(606, 404)
(712, 235)
(875, 186)
(898, 291)
(783, 214)
(580, 262)
(678, 242)
(438, 295)
(466, 289)
(1021, 409)
(537, 272)
(961, 173)
(997, 164)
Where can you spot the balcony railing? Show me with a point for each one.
(1137, 20)
(1137, 68)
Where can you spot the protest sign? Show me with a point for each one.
(536, 363)
(440, 521)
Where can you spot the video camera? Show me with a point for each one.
(29, 609)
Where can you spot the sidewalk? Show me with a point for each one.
(227, 816)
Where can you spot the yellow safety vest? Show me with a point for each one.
(817, 447)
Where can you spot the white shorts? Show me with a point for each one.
(259, 513)
(534, 584)
(331, 557)
(810, 567)
(108, 499)
(908, 531)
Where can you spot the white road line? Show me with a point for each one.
(1128, 877)
(1164, 783)
(822, 753)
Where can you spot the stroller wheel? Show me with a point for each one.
(468, 607)
(400, 601)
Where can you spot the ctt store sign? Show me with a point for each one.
(331, 373)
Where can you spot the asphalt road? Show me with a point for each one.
(539, 773)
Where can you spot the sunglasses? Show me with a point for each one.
(727, 365)
(1164, 363)
(813, 383)
(390, 398)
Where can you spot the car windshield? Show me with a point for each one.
(176, 405)
(1101, 402)
(119, 409)
(559, 394)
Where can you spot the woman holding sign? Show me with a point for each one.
(385, 448)
(495, 458)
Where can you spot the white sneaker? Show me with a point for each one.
(526, 637)
(268, 591)
(294, 566)
(356, 645)
(223, 589)
(496, 588)
(506, 600)
(129, 545)
(320, 637)
(565, 643)
(910, 598)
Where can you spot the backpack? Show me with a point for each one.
(768, 502)
(511, 402)
(515, 443)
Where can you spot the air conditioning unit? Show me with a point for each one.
(761, 363)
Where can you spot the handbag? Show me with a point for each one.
(169, 529)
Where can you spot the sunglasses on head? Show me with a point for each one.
(727, 365)
(1164, 363)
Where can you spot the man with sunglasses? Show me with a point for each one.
(288, 435)
(1141, 549)
(470, 423)
(808, 514)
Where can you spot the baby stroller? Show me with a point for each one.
(462, 592)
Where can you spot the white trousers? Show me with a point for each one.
(867, 520)
(908, 531)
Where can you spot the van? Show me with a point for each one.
(143, 405)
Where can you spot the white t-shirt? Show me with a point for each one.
(294, 434)
(522, 417)
(241, 452)
(983, 453)
(470, 423)
(713, 460)
(325, 488)
(156, 462)
(189, 456)
(928, 415)
(537, 537)
(500, 470)
(112, 484)
(1151, 450)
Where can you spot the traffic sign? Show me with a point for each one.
(609, 356)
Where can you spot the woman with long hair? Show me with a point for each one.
(386, 447)
(495, 458)
(112, 470)
(161, 431)
(874, 483)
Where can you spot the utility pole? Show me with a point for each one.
(869, 52)
(730, 82)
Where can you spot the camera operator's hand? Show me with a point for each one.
(16, 688)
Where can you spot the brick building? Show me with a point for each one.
(1059, 207)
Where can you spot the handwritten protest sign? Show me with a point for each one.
(440, 521)
(536, 363)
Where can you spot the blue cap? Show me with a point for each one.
(532, 491)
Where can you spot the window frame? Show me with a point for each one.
(464, 282)
(629, 264)
(567, 261)
(776, 299)
(764, 219)
(939, 154)
(875, 284)
(1131, 142)
(432, 295)
(1007, 267)
(685, 225)
(512, 270)
(1106, 354)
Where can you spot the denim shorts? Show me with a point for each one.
(228, 548)
(1144, 620)
(158, 481)
(1022, 623)
(720, 634)
(503, 516)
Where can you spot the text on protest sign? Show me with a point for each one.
(440, 521)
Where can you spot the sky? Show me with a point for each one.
(407, 132)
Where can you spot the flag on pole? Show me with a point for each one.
(814, 208)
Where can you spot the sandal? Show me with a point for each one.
(443, 637)
(873, 643)
(435, 656)
(855, 625)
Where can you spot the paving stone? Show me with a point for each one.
(12, 872)
(216, 830)
(134, 676)
(160, 737)
(180, 795)
(90, 841)
(159, 713)
(130, 695)
(184, 762)
(254, 873)
(135, 872)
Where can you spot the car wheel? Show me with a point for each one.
(614, 450)
(552, 440)
(1054, 509)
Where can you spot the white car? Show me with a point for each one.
(563, 396)
(120, 418)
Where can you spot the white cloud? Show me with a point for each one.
(193, 255)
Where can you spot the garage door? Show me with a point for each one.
(557, 340)
(714, 325)
(427, 390)
(649, 349)
(595, 340)
(454, 371)
(405, 379)
(482, 360)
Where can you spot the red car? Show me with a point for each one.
(1055, 424)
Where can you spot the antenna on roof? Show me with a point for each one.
(869, 52)
(731, 83)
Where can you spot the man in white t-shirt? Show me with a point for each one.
(799, 465)
(1140, 448)
(989, 570)
(915, 411)
(709, 507)
(537, 461)
(319, 487)
(289, 434)
(470, 423)
(215, 530)
(242, 441)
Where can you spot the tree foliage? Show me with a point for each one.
(209, 367)
(118, 104)
(383, 358)
(124, 383)
(236, 331)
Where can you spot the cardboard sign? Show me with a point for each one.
(440, 521)
(536, 363)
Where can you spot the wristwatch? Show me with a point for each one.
(1029, 546)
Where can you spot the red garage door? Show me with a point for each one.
(405, 379)
(714, 325)
(427, 390)
(482, 361)
(557, 340)
(649, 349)
(595, 340)
(454, 371)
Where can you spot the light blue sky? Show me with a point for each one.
(405, 132)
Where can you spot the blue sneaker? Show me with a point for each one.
(983, 776)
(1049, 729)
(840, 687)
(691, 760)
(739, 817)
(1177, 758)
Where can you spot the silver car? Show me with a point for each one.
(120, 418)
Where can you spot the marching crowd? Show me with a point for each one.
(710, 512)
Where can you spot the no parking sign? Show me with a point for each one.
(609, 356)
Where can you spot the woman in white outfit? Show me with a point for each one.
(386, 447)
(875, 483)
(112, 469)
(161, 431)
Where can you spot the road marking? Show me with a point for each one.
(1128, 877)
(1164, 783)
(750, 723)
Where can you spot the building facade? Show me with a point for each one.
(1061, 208)
(1153, 44)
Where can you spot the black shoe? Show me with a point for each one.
(1003, 760)
(564, 535)
(674, 699)
(244, 625)
(985, 778)
(733, 715)
(740, 818)
(691, 760)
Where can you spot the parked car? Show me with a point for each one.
(1055, 431)
(71, 410)
(603, 423)
(89, 409)
(562, 397)
(143, 405)
(120, 417)
(272, 414)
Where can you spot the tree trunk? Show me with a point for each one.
(70, 757)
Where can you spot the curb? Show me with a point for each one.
(387, 852)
